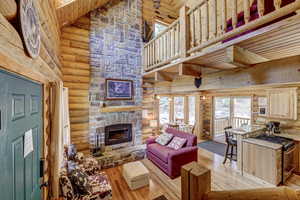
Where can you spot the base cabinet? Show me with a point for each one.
(262, 162)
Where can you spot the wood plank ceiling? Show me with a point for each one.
(162, 10)
(68, 11)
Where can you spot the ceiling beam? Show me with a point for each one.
(243, 58)
(188, 70)
(163, 76)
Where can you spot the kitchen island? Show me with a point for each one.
(262, 160)
(240, 134)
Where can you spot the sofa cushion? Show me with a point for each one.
(177, 143)
(191, 139)
(164, 138)
(160, 151)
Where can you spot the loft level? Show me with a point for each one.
(211, 37)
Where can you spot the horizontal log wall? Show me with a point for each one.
(251, 81)
(150, 106)
(76, 77)
(44, 69)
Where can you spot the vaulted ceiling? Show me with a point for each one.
(162, 10)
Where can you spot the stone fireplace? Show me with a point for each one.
(116, 53)
(118, 134)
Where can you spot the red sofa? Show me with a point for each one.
(170, 160)
(269, 7)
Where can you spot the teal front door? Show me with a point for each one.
(20, 115)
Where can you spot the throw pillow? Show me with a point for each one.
(80, 182)
(177, 143)
(164, 138)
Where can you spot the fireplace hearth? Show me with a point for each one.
(118, 133)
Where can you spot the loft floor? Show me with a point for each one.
(224, 177)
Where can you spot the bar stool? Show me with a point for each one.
(231, 143)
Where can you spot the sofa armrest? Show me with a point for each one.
(150, 140)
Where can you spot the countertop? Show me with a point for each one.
(290, 135)
(243, 131)
(263, 143)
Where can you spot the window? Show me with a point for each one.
(242, 107)
(192, 109)
(164, 109)
(179, 109)
(222, 107)
(158, 28)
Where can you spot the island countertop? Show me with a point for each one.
(246, 130)
(259, 142)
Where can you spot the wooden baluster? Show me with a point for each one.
(166, 50)
(277, 4)
(162, 48)
(145, 58)
(184, 32)
(150, 55)
(261, 7)
(174, 40)
(192, 28)
(214, 17)
(207, 20)
(158, 49)
(224, 15)
(246, 11)
(200, 26)
(234, 13)
(169, 44)
(153, 52)
(179, 42)
(175, 36)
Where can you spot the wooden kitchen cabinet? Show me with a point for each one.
(297, 157)
(282, 103)
(262, 162)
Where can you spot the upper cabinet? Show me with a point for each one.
(282, 103)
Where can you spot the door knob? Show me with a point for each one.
(44, 185)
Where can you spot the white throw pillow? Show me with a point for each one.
(164, 139)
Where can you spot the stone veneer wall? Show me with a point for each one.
(116, 46)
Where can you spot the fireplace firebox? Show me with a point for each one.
(118, 133)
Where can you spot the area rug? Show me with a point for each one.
(214, 147)
(162, 197)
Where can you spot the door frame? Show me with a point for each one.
(231, 112)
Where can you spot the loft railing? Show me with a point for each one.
(203, 26)
(163, 48)
(235, 122)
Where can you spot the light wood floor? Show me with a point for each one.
(224, 177)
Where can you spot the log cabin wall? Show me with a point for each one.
(150, 110)
(44, 69)
(251, 81)
(76, 76)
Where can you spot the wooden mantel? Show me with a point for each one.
(120, 108)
